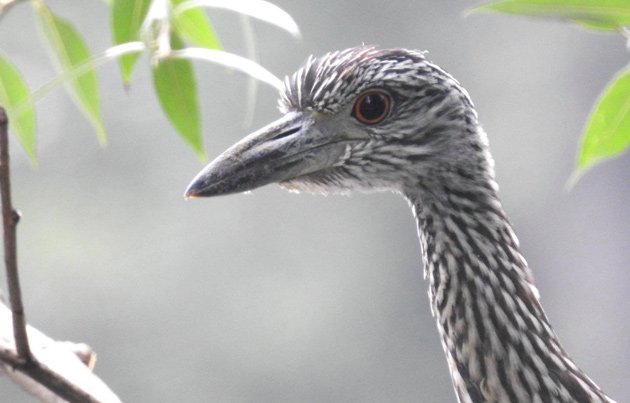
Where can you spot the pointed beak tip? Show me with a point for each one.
(192, 191)
(269, 155)
(199, 189)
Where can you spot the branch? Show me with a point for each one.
(52, 371)
(59, 371)
(10, 219)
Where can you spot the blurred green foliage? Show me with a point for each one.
(164, 29)
(607, 131)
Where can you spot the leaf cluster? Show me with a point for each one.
(171, 32)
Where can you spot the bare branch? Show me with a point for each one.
(59, 371)
(10, 219)
(52, 371)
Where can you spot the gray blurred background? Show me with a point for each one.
(273, 297)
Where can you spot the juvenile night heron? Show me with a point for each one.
(370, 119)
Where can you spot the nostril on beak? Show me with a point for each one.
(285, 133)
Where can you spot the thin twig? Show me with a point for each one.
(10, 219)
(24, 360)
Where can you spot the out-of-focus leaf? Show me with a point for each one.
(126, 20)
(609, 15)
(16, 99)
(260, 9)
(193, 24)
(176, 88)
(71, 52)
(597, 26)
(90, 64)
(232, 61)
(608, 130)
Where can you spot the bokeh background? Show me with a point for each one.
(276, 297)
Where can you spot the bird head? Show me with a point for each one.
(359, 119)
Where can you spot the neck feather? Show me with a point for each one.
(498, 341)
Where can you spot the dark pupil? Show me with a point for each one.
(372, 107)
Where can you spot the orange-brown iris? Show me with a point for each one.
(372, 107)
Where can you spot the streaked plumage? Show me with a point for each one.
(430, 148)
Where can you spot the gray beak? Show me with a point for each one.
(290, 147)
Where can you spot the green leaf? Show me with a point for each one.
(71, 52)
(608, 131)
(16, 99)
(176, 88)
(126, 20)
(609, 15)
(193, 24)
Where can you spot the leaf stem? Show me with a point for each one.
(92, 63)
(10, 218)
(229, 60)
(259, 9)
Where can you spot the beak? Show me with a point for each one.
(292, 146)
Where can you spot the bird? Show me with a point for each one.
(372, 119)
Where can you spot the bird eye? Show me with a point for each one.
(372, 107)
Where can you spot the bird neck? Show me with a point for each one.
(497, 339)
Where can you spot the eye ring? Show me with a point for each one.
(372, 107)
